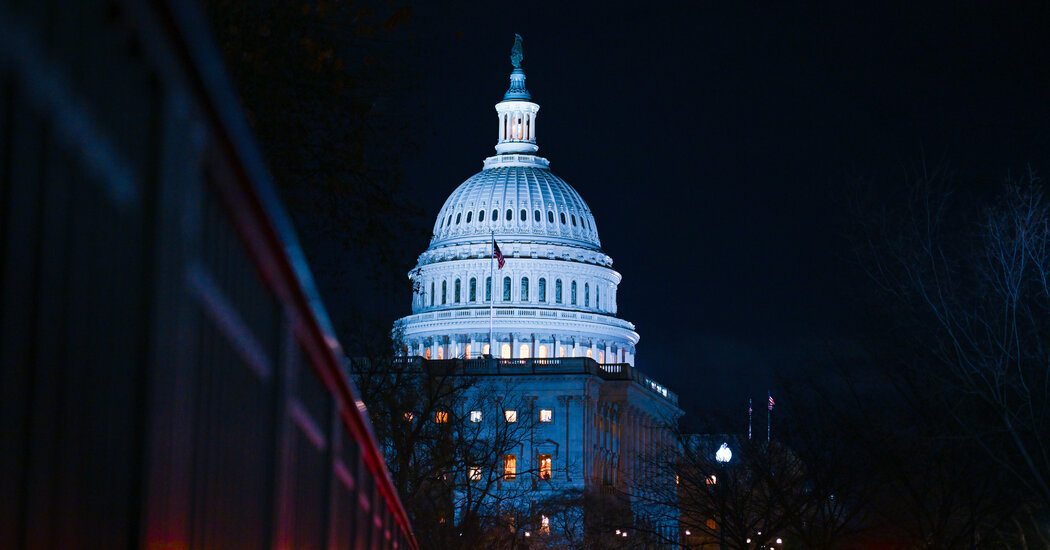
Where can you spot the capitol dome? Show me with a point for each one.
(555, 295)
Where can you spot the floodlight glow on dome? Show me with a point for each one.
(723, 454)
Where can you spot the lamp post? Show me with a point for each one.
(722, 456)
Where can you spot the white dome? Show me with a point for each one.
(518, 200)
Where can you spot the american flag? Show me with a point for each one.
(770, 402)
(498, 255)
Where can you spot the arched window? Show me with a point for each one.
(469, 214)
(543, 289)
(473, 289)
(557, 292)
(562, 214)
(523, 351)
(510, 214)
(432, 293)
(426, 354)
(449, 220)
(586, 294)
(590, 353)
(488, 289)
(504, 351)
(441, 352)
(550, 217)
(536, 215)
(542, 352)
(466, 351)
(481, 215)
(506, 289)
(573, 218)
(524, 289)
(495, 215)
(444, 289)
(457, 291)
(457, 218)
(572, 295)
(597, 296)
(441, 223)
(524, 215)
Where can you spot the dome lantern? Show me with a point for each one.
(517, 113)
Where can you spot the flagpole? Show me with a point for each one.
(769, 415)
(492, 290)
(749, 410)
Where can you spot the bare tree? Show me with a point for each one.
(974, 288)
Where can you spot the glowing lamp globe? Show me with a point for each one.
(723, 454)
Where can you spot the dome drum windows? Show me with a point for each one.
(586, 295)
(562, 214)
(495, 215)
(469, 214)
(510, 214)
(536, 216)
(473, 289)
(457, 218)
(444, 292)
(506, 289)
(542, 290)
(557, 292)
(524, 289)
(572, 294)
(456, 291)
(524, 215)
(488, 289)
(550, 216)
(481, 215)
(573, 217)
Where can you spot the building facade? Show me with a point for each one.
(544, 323)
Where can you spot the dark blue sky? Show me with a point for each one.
(711, 141)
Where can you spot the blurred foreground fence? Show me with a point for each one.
(170, 379)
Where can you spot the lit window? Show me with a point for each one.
(473, 289)
(510, 416)
(510, 467)
(545, 525)
(523, 351)
(506, 289)
(601, 356)
(475, 473)
(485, 349)
(467, 351)
(441, 417)
(481, 215)
(545, 466)
(524, 289)
(550, 217)
(475, 416)
(543, 289)
(711, 479)
(504, 351)
(457, 291)
(536, 215)
(590, 353)
(561, 351)
(557, 292)
(408, 417)
(469, 214)
(542, 352)
(546, 415)
(427, 353)
(441, 352)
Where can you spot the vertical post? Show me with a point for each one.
(492, 291)
(749, 410)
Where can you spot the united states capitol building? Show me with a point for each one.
(547, 319)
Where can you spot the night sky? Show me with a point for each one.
(711, 142)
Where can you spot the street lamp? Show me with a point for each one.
(723, 455)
